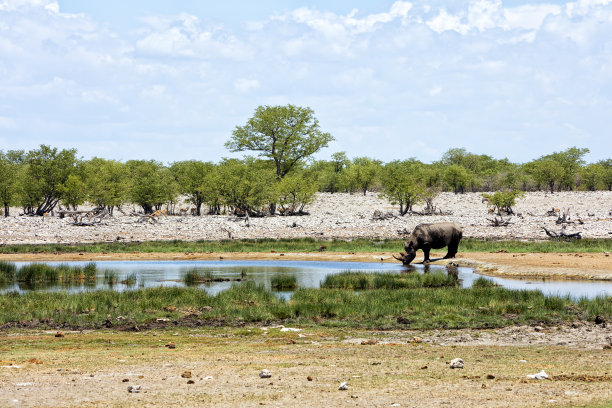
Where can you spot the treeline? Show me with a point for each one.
(41, 179)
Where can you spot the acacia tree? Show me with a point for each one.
(45, 176)
(151, 184)
(284, 134)
(191, 176)
(106, 182)
(362, 173)
(402, 183)
(606, 176)
(546, 171)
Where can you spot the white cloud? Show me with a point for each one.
(447, 22)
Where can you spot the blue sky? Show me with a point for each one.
(170, 80)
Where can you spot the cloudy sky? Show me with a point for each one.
(170, 80)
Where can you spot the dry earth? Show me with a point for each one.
(220, 367)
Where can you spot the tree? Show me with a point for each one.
(546, 171)
(592, 175)
(503, 201)
(457, 177)
(75, 191)
(106, 182)
(362, 173)
(295, 191)
(151, 184)
(9, 172)
(570, 161)
(247, 185)
(606, 176)
(284, 134)
(191, 177)
(402, 183)
(45, 176)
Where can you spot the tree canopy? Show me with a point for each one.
(284, 134)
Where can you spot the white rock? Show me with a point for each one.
(290, 329)
(265, 374)
(539, 376)
(456, 363)
(343, 386)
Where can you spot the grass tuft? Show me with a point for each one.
(283, 282)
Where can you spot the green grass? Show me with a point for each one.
(309, 245)
(421, 308)
(194, 276)
(40, 273)
(283, 282)
(356, 280)
(8, 270)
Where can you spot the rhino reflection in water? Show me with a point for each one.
(431, 236)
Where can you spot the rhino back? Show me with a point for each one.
(438, 235)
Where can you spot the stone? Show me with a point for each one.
(539, 376)
(134, 388)
(186, 374)
(456, 363)
(343, 386)
(265, 374)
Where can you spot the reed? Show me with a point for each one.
(283, 282)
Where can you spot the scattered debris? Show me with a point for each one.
(456, 363)
(539, 376)
(343, 386)
(265, 374)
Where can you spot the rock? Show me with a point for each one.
(539, 376)
(171, 345)
(599, 319)
(417, 340)
(186, 374)
(343, 386)
(190, 382)
(456, 363)
(490, 377)
(369, 342)
(134, 388)
(538, 328)
(59, 334)
(265, 374)
(309, 378)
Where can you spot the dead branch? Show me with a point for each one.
(562, 234)
(381, 216)
(499, 222)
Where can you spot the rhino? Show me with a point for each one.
(432, 236)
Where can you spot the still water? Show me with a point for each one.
(308, 275)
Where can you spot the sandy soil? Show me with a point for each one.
(220, 367)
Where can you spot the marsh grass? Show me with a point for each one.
(420, 308)
(194, 276)
(356, 280)
(283, 282)
(8, 270)
(130, 280)
(311, 245)
(110, 277)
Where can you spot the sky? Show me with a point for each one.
(170, 80)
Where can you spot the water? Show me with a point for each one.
(307, 273)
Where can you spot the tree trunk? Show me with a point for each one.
(6, 209)
(148, 208)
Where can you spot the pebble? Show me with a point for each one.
(343, 387)
(134, 388)
(265, 374)
(456, 363)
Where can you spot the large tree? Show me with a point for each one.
(284, 134)
(46, 173)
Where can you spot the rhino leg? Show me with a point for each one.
(426, 249)
(452, 250)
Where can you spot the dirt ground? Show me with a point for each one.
(596, 266)
(220, 367)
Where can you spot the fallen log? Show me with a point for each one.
(562, 234)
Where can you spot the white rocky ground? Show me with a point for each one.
(331, 216)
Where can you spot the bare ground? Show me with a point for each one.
(220, 367)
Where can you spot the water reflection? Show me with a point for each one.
(127, 275)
